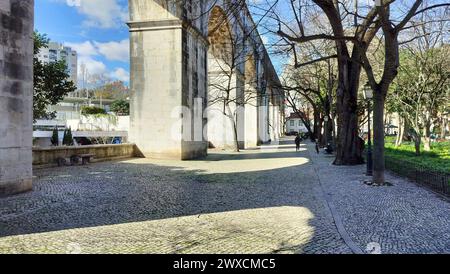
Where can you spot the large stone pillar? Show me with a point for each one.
(165, 55)
(251, 118)
(16, 95)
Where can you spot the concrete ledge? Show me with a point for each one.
(46, 157)
(15, 187)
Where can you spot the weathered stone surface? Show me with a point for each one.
(16, 70)
(48, 156)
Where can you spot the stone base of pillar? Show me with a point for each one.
(15, 187)
(187, 151)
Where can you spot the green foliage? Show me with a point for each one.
(68, 138)
(112, 90)
(51, 81)
(87, 110)
(55, 138)
(438, 159)
(420, 94)
(121, 107)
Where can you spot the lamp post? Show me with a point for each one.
(368, 95)
(326, 129)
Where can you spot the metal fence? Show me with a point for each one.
(437, 181)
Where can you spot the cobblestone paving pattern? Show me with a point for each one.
(403, 218)
(258, 201)
(270, 200)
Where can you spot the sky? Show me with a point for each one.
(96, 29)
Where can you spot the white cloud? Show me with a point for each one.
(93, 66)
(115, 51)
(83, 49)
(89, 51)
(121, 74)
(100, 13)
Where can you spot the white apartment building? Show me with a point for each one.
(57, 52)
(295, 124)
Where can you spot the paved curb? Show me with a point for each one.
(337, 219)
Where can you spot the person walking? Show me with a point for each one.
(297, 142)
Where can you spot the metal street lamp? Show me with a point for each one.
(326, 129)
(368, 95)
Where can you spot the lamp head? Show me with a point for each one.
(368, 92)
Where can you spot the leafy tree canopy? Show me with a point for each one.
(51, 81)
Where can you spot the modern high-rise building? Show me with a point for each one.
(57, 52)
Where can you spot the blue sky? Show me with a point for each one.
(96, 29)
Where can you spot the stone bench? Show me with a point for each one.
(74, 159)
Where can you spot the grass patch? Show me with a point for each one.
(438, 159)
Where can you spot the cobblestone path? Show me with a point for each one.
(269, 200)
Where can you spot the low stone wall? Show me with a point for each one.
(45, 157)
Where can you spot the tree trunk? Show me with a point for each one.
(426, 143)
(427, 137)
(329, 128)
(401, 130)
(378, 137)
(235, 135)
(319, 129)
(348, 148)
(417, 144)
(444, 127)
(235, 131)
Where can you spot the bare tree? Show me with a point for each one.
(392, 24)
(233, 79)
(351, 45)
(314, 83)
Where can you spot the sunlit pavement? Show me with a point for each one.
(267, 200)
(257, 201)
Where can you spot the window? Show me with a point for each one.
(292, 123)
(299, 123)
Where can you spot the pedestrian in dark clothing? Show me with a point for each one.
(297, 143)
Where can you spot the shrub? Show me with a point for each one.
(121, 107)
(92, 110)
(55, 138)
(68, 139)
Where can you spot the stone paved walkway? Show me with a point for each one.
(403, 218)
(271, 200)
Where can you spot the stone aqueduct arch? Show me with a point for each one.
(172, 61)
(169, 82)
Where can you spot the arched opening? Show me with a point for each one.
(224, 123)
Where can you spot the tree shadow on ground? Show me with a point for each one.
(142, 190)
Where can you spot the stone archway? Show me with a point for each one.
(169, 45)
(224, 90)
